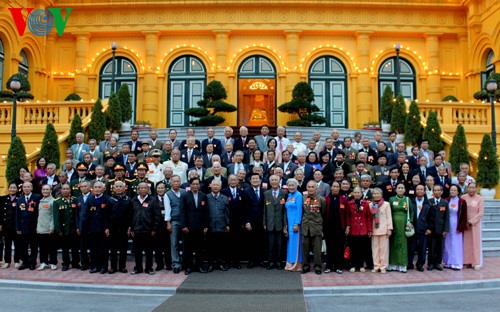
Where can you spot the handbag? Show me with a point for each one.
(347, 252)
(409, 229)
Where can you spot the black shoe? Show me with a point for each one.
(305, 270)
(135, 271)
(270, 266)
(420, 269)
(123, 270)
(317, 271)
(32, 267)
(439, 267)
(203, 270)
(237, 266)
(250, 265)
(84, 267)
(410, 267)
(94, 270)
(112, 271)
(279, 267)
(168, 268)
(159, 268)
(64, 268)
(223, 267)
(149, 271)
(22, 267)
(210, 268)
(430, 267)
(177, 270)
(104, 271)
(76, 266)
(188, 271)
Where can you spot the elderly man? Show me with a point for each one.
(216, 175)
(298, 146)
(281, 140)
(237, 164)
(178, 167)
(175, 196)
(79, 148)
(262, 139)
(190, 152)
(216, 143)
(104, 144)
(172, 138)
(190, 133)
(153, 140)
(228, 132)
(134, 143)
(240, 143)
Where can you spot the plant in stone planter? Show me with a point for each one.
(142, 125)
(487, 165)
(386, 107)
(372, 125)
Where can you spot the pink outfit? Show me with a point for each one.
(472, 237)
(380, 239)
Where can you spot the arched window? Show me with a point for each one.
(23, 66)
(387, 77)
(256, 92)
(187, 78)
(2, 56)
(125, 73)
(328, 79)
(490, 68)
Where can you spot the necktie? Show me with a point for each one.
(210, 141)
(274, 195)
(78, 151)
(394, 184)
(257, 194)
(189, 155)
(229, 157)
(423, 173)
(27, 199)
(281, 145)
(234, 193)
(442, 181)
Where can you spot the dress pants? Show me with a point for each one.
(417, 243)
(360, 247)
(217, 247)
(193, 243)
(9, 238)
(70, 242)
(175, 249)
(163, 256)
(143, 242)
(335, 243)
(84, 246)
(235, 237)
(118, 241)
(380, 251)
(28, 241)
(311, 243)
(47, 244)
(255, 242)
(435, 256)
(98, 250)
(274, 239)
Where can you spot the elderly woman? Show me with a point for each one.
(402, 211)
(359, 228)
(293, 205)
(45, 230)
(382, 230)
(453, 254)
(472, 236)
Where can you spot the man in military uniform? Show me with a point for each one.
(26, 222)
(65, 227)
(81, 168)
(120, 216)
(155, 168)
(119, 172)
(142, 169)
(145, 155)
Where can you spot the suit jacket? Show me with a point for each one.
(231, 167)
(225, 160)
(274, 211)
(289, 170)
(440, 213)
(381, 174)
(96, 217)
(253, 207)
(412, 162)
(207, 162)
(203, 172)
(54, 183)
(85, 149)
(388, 190)
(351, 156)
(262, 143)
(374, 145)
(446, 185)
(122, 159)
(215, 142)
(27, 213)
(218, 213)
(195, 215)
(138, 147)
(343, 201)
(197, 145)
(131, 170)
(104, 144)
(323, 189)
(207, 183)
(209, 173)
(423, 222)
(239, 145)
(97, 157)
(236, 209)
(428, 172)
(430, 161)
(190, 161)
(157, 145)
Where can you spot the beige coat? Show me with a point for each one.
(385, 222)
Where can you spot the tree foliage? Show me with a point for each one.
(483, 94)
(16, 159)
(487, 164)
(458, 149)
(386, 104)
(97, 125)
(73, 97)
(22, 95)
(301, 104)
(413, 127)
(125, 102)
(432, 133)
(450, 98)
(113, 113)
(398, 116)
(75, 127)
(212, 103)
(50, 146)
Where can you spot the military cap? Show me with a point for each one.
(156, 152)
(143, 166)
(81, 166)
(119, 167)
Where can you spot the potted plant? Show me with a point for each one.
(487, 168)
(372, 125)
(302, 106)
(142, 125)
(126, 106)
(386, 107)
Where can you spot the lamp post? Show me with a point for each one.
(113, 49)
(397, 47)
(15, 86)
(492, 88)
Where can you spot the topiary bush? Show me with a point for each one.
(483, 95)
(398, 116)
(50, 146)
(114, 113)
(125, 102)
(450, 98)
(301, 104)
(16, 159)
(386, 105)
(73, 97)
(75, 127)
(458, 149)
(432, 133)
(97, 125)
(22, 95)
(413, 127)
(487, 164)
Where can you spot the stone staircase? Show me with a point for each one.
(491, 228)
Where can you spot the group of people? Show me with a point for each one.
(361, 204)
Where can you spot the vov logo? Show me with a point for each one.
(40, 22)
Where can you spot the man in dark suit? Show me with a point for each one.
(287, 165)
(208, 156)
(134, 143)
(444, 180)
(190, 152)
(240, 143)
(81, 226)
(26, 222)
(199, 167)
(253, 201)
(51, 177)
(193, 222)
(389, 186)
(413, 159)
(261, 140)
(236, 213)
(227, 156)
(238, 164)
(216, 143)
(197, 143)
(440, 213)
(217, 175)
(274, 221)
(306, 168)
(370, 152)
(423, 170)
(217, 227)
(422, 223)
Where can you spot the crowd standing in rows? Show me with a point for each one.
(208, 203)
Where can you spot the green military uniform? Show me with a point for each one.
(111, 184)
(314, 206)
(134, 185)
(65, 224)
(75, 187)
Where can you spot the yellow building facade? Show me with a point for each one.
(168, 50)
